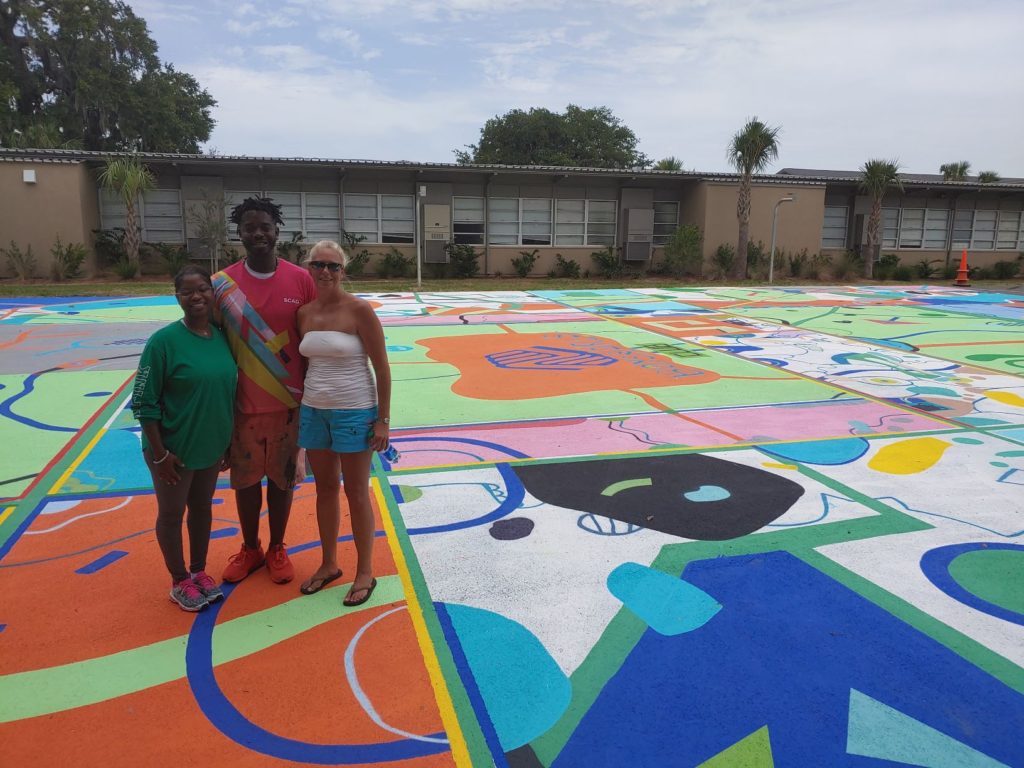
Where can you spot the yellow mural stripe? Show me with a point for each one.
(5, 514)
(456, 739)
(55, 488)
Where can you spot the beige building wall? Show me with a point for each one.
(61, 203)
(799, 222)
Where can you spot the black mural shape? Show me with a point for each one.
(756, 497)
(523, 757)
(512, 528)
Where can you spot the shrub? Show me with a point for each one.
(949, 272)
(757, 259)
(607, 262)
(565, 267)
(109, 246)
(23, 263)
(67, 260)
(926, 268)
(463, 258)
(850, 263)
(797, 262)
(357, 260)
(902, 273)
(394, 263)
(1005, 270)
(357, 263)
(126, 269)
(886, 265)
(724, 256)
(524, 262)
(982, 273)
(291, 250)
(174, 257)
(682, 251)
(818, 263)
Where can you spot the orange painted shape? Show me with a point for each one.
(535, 365)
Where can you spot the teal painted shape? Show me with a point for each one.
(707, 493)
(933, 391)
(524, 690)
(668, 605)
(830, 452)
(879, 731)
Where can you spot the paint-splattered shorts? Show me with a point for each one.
(340, 430)
(265, 445)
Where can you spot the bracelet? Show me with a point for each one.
(162, 458)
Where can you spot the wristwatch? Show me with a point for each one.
(385, 420)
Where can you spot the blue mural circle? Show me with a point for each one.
(935, 566)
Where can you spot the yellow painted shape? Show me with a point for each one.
(6, 513)
(456, 740)
(774, 465)
(908, 457)
(1006, 398)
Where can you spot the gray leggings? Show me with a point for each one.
(195, 490)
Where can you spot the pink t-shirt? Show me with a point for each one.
(260, 320)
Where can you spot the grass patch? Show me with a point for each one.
(105, 287)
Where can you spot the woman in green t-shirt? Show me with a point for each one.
(184, 400)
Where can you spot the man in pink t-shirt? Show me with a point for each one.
(258, 299)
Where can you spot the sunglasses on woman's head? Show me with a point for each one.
(330, 266)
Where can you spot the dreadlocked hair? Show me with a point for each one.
(264, 204)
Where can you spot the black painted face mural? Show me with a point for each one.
(689, 495)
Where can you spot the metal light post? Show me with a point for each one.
(775, 221)
(421, 192)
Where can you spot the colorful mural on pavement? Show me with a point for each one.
(644, 527)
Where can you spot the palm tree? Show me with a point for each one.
(670, 163)
(989, 177)
(750, 151)
(876, 178)
(955, 171)
(129, 178)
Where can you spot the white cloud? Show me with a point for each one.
(924, 80)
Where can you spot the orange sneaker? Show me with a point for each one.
(280, 567)
(245, 562)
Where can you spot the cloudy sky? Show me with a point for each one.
(924, 81)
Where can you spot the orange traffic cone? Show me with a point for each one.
(961, 274)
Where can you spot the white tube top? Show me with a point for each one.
(339, 371)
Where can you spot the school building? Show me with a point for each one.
(504, 209)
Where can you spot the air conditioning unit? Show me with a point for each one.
(639, 234)
(434, 252)
(437, 233)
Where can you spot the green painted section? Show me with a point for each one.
(54, 689)
(995, 575)
(25, 449)
(424, 387)
(755, 751)
(480, 753)
(136, 313)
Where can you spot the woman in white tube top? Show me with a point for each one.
(345, 413)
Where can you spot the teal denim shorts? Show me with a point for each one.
(336, 429)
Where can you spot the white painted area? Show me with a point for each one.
(553, 582)
(892, 562)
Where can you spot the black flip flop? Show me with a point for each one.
(369, 592)
(308, 589)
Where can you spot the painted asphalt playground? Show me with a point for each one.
(650, 527)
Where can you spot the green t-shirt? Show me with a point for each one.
(187, 384)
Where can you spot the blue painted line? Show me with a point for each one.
(223, 715)
(3, 627)
(396, 490)
(27, 388)
(476, 700)
(312, 544)
(223, 533)
(935, 565)
(100, 563)
(512, 502)
(71, 554)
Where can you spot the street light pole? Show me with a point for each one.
(775, 221)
